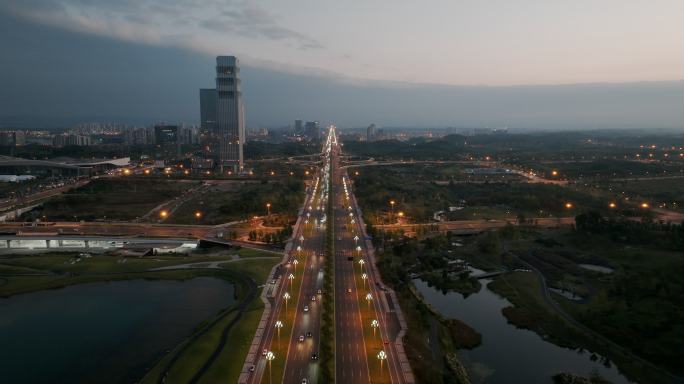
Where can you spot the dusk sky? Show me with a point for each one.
(479, 63)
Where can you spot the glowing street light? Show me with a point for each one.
(301, 237)
(364, 277)
(358, 253)
(356, 239)
(291, 277)
(198, 215)
(392, 202)
(163, 214)
(554, 173)
(278, 325)
(568, 205)
(382, 356)
(644, 205)
(295, 262)
(286, 296)
(374, 325)
(268, 208)
(369, 298)
(612, 205)
(270, 356)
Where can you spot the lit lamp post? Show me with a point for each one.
(301, 238)
(358, 253)
(361, 263)
(392, 202)
(198, 215)
(369, 297)
(291, 277)
(356, 239)
(268, 209)
(374, 325)
(278, 325)
(286, 296)
(299, 250)
(364, 277)
(381, 356)
(295, 262)
(163, 214)
(270, 356)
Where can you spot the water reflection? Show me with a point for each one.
(509, 354)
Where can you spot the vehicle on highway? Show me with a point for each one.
(314, 356)
(306, 308)
(313, 297)
(264, 352)
(309, 334)
(348, 290)
(320, 292)
(252, 368)
(305, 381)
(301, 338)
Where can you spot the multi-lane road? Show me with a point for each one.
(367, 320)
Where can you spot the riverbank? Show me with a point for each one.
(202, 356)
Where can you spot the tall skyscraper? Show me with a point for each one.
(229, 113)
(298, 128)
(312, 129)
(370, 133)
(208, 110)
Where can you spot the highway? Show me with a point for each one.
(366, 328)
(300, 331)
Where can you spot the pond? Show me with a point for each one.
(109, 332)
(509, 354)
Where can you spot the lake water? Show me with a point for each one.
(109, 332)
(509, 354)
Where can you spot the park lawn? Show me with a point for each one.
(251, 252)
(225, 203)
(113, 199)
(198, 352)
(229, 363)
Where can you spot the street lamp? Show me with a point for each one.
(369, 297)
(356, 239)
(374, 325)
(270, 356)
(392, 202)
(268, 208)
(295, 262)
(198, 215)
(163, 214)
(278, 325)
(291, 277)
(286, 296)
(382, 356)
(301, 238)
(364, 277)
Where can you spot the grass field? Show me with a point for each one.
(111, 199)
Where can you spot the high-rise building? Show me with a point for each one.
(312, 130)
(208, 98)
(298, 128)
(229, 113)
(370, 133)
(165, 134)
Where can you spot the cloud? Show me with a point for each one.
(157, 21)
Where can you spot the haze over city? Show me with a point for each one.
(537, 65)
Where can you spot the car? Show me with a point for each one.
(320, 292)
(301, 338)
(348, 290)
(386, 342)
(309, 334)
(305, 381)
(314, 356)
(306, 308)
(252, 368)
(264, 352)
(313, 297)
